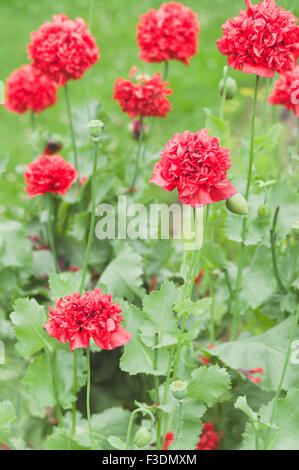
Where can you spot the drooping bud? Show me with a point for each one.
(142, 437)
(237, 204)
(179, 389)
(95, 129)
(264, 211)
(231, 88)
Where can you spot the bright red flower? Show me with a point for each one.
(146, 97)
(49, 174)
(77, 318)
(251, 372)
(27, 89)
(63, 49)
(196, 165)
(209, 438)
(169, 438)
(262, 40)
(286, 91)
(168, 33)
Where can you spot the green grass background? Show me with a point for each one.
(114, 26)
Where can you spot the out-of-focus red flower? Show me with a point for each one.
(74, 269)
(52, 147)
(135, 128)
(199, 277)
(152, 284)
(146, 97)
(49, 174)
(262, 40)
(286, 91)
(27, 89)
(196, 165)
(209, 438)
(207, 359)
(77, 318)
(83, 180)
(63, 49)
(171, 32)
(169, 438)
(251, 372)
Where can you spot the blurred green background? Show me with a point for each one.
(113, 23)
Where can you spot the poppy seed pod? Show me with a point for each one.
(142, 437)
(95, 129)
(237, 204)
(231, 88)
(179, 389)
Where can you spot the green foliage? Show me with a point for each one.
(208, 384)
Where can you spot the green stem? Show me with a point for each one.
(88, 396)
(92, 221)
(50, 232)
(225, 75)
(166, 68)
(69, 112)
(180, 423)
(75, 360)
(157, 398)
(273, 251)
(53, 371)
(235, 320)
(284, 370)
(212, 310)
(130, 425)
(264, 112)
(139, 145)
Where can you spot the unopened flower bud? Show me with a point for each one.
(237, 204)
(264, 211)
(142, 437)
(231, 88)
(179, 389)
(95, 129)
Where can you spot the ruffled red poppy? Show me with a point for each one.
(209, 438)
(63, 49)
(196, 165)
(171, 32)
(146, 97)
(286, 91)
(262, 40)
(49, 174)
(77, 318)
(169, 438)
(27, 89)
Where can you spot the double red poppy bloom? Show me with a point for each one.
(27, 89)
(286, 91)
(262, 40)
(209, 438)
(77, 318)
(146, 97)
(196, 165)
(49, 174)
(63, 49)
(171, 32)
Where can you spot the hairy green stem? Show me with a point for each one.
(180, 423)
(88, 396)
(235, 320)
(139, 146)
(130, 425)
(273, 237)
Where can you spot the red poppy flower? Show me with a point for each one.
(209, 439)
(251, 372)
(27, 89)
(286, 91)
(168, 33)
(169, 438)
(262, 40)
(196, 165)
(77, 318)
(63, 49)
(49, 174)
(144, 98)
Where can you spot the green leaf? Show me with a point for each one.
(208, 384)
(123, 276)
(218, 126)
(64, 376)
(64, 284)
(7, 414)
(28, 319)
(286, 420)
(160, 328)
(259, 282)
(242, 405)
(38, 383)
(188, 307)
(212, 254)
(42, 263)
(137, 357)
(79, 226)
(117, 443)
(61, 440)
(267, 351)
(16, 248)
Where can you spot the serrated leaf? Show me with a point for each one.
(123, 276)
(160, 328)
(188, 307)
(64, 284)
(28, 319)
(7, 414)
(61, 440)
(38, 382)
(208, 384)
